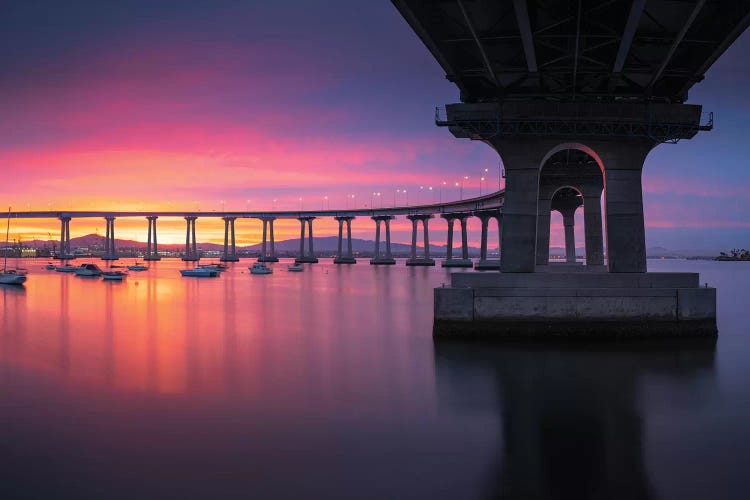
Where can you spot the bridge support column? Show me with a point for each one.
(484, 263)
(464, 261)
(347, 258)
(383, 259)
(65, 252)
(265, 255)
(230, 243)
(152, 252)
(425, 260)
(191, 246)
(310, 256)
(110, 252)
(592, 224)
(570, 237)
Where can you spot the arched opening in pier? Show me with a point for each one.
(571, 176)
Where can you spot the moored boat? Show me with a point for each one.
(260, 268)
(50, 266)
(67, 268)
(295, 268)
(88, 270)
(138, 267)
(12, 277)
(200, 272)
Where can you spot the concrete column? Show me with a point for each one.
(388, 254)
(414, 239)
(483, 246)
(273, 241)
(226, 237)
(379, 258)
(152, 252)
(570, 238)
(464, 240)
(425, 227)
(148, 245)
(310, 256)
(67, 237)
(520, 219)
(230, 245)
(341, 236)
(191, 247)
(449, 249)
(349, 257)
(263, 245)
(265, 256)
(310, 236)
(592, 225)
(349, 252)
(377, 238)
(234, 241)
(425, 260)
(626, 236)
(110, 253)
(302, 239)
(544, 220)
(195, 242)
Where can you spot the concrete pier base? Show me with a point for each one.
(307, 259)
(229, 259)
(487, 265)
(109, 257)
(64, 257)
(191, 259)
(457, 263)
(152, 257)
(596, 305)
(382, 261)
(344, 260)
(420, 262)
(268, 258)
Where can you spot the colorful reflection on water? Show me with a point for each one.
(327, 383)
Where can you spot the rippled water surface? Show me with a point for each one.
(327, 384)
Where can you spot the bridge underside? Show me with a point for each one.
(604, 79)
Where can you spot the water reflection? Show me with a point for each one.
(572, 419)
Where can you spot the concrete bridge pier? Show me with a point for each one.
(347, 258)
(191, 247)
(266, 256)
(424, 260)
(152, 253)
(484, 263)
(309, 257)
(230, 247)
(464, 261)
(381, 259)
(65, 253)
(110, 252)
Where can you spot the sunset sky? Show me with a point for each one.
(180, 105)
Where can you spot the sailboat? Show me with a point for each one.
(10, 276)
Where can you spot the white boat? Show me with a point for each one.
(88, 270)
(10, 276)
(295, 268)
(138, 267)
(113, 275)
(67, 268)
(260, 268)
(200, 272)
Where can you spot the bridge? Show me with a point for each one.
(573, 95)
(485, 207)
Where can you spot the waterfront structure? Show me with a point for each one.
(573, 96)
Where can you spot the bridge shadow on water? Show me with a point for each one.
(572, 415)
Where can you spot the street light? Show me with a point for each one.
(300, 203)
(432, 198)
(460, 187)
(394, 196)
(441, 192)
(419, 195)
(481, 180)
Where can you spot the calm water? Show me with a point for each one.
(327, 384)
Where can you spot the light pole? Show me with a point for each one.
(222, 206)
(441, 191)
(419, 195)
(481, 180)
(274, 204)
(407, 197)
(394, 196)
(300, 203)
(460, 187)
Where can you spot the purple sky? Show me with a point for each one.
(153, 104)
